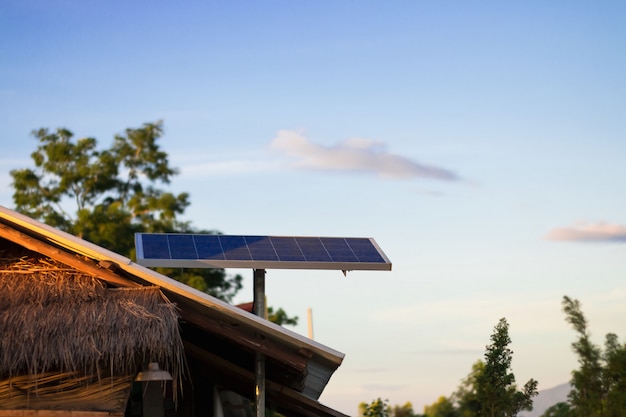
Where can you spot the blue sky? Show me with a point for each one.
(480, 143)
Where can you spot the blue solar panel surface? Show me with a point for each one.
(271, 250)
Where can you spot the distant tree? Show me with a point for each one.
(443, 407)
(489, 390)
(587, 386)
(381, 408)
(280, 317)
(599, 385)
(561, 409)
(377, 408)
(496, 391)
(405, 410)
(466, 397)
(361, 408)
(614, 357)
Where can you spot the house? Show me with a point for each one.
(78, 323)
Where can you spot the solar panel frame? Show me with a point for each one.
(188, 250)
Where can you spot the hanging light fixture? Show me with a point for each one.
(153, 373)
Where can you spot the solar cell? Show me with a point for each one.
(182, 247)
(156, 246)
(208, 247)
(259, 252)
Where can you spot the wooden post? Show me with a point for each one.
(259, 362)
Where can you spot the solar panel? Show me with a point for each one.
(180, 250)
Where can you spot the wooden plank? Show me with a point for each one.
(72, 260)
(294, 360)
(18, 413)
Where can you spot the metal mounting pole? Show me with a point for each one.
(259, 358)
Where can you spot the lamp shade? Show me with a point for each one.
(153, 373)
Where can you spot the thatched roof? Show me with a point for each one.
(219, 338)
(54, 318)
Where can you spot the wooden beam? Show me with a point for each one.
(250, 341)
(84, 265)
(290, 402)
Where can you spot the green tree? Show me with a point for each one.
(466, 397)
(380, 408)
(496, 391)
(561, 409)
(377, 408)
(598, 386)
(489, 390)
(107, 195)
(405, 410)
(443, 407)
(112, 191)
(614, 357)
(280, 317)
(587, 391)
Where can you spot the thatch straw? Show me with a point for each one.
(30, 281)
(53, 318)
(74, 336)
(64, 391)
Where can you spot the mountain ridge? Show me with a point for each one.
(546, 399)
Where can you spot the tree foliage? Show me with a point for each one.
(599, 384)
(561, 409)
(103, 196)
(107, 195)
(381, 408)
(280, 317)
(405, 410)
(496, 391)
(377, 408)
(466, 397)
(489, 390)
(443, 407)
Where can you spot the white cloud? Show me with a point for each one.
(357, 154)
(589, 232)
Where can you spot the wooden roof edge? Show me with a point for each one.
(61, 238)
(234, 313)
(79, 246)
(290, 401)
(83, 264)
